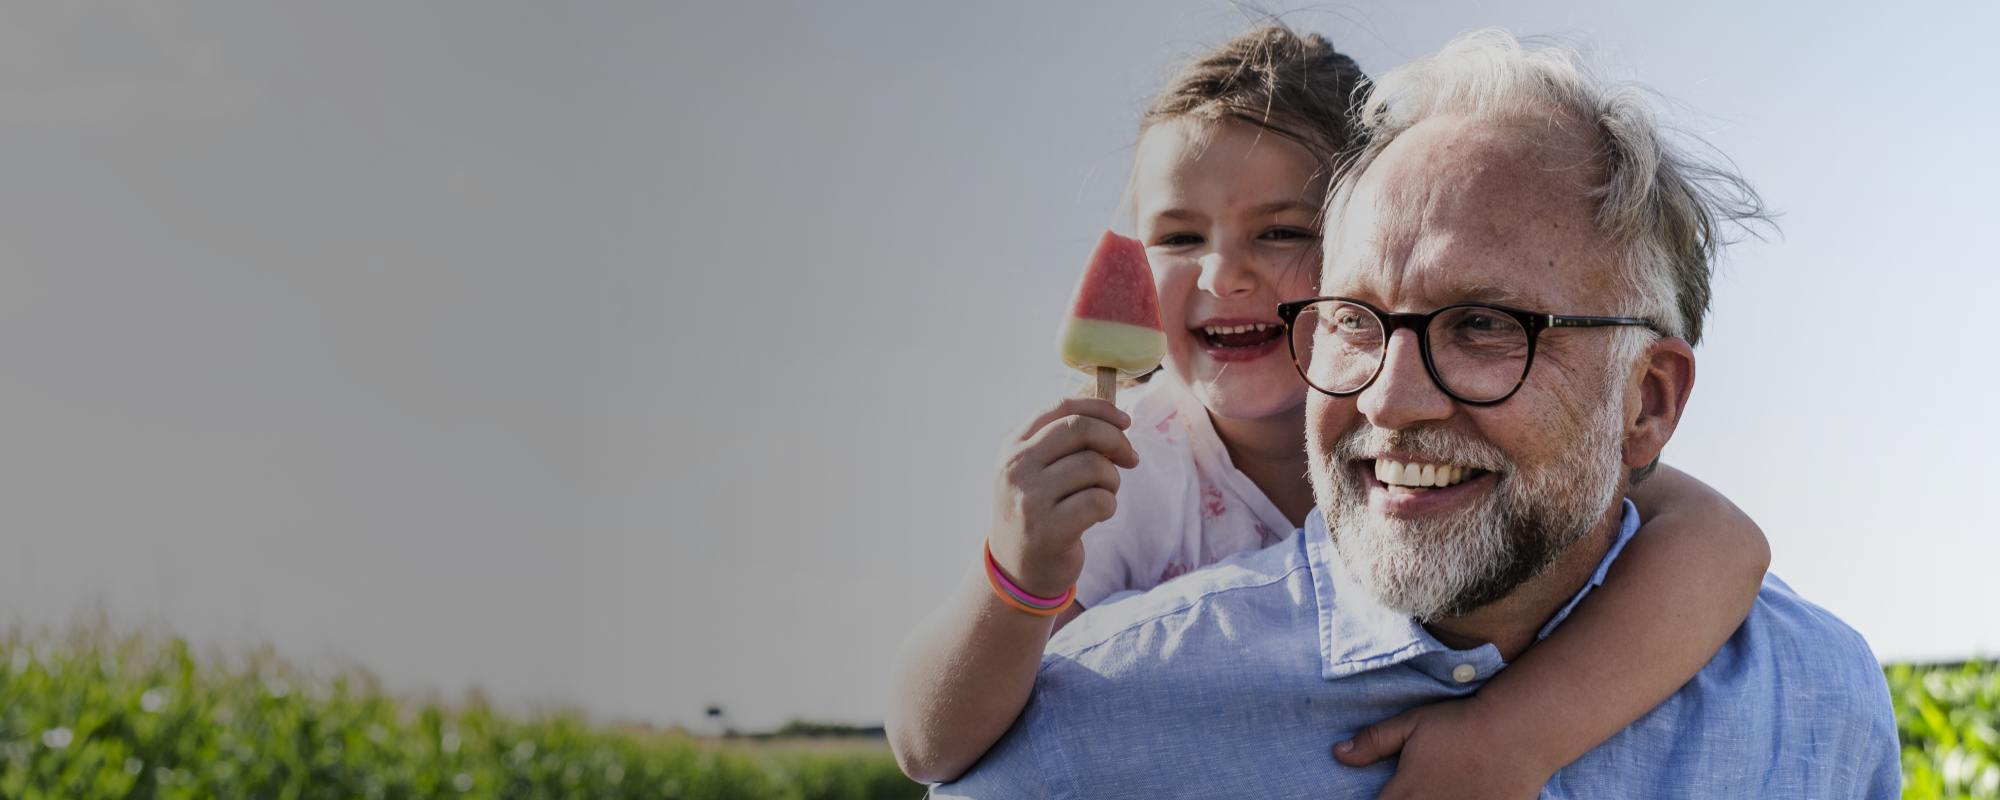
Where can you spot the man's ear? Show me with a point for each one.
(1655, 397)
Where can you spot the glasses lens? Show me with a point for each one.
(1337, 346)
(1480, 353)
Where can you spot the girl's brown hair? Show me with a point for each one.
(1295, 86)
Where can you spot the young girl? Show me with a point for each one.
(1228, 181)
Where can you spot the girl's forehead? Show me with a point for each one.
(1186, 141)
(1185, 160)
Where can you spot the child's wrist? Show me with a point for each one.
(1038, 576)
(1010, 593)
(1512, 731)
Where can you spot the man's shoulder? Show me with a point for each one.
(1268, 589)
(1801, 655)
(1793, 705)
(1791, 629)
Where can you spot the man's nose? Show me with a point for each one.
(1403, 394)
(1227, 271)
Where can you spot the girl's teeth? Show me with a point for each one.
(1223, 330)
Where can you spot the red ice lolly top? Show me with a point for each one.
(1115, 321)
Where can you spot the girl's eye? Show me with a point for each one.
(1178, 240)
(1283, 234)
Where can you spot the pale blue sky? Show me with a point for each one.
(638, 359)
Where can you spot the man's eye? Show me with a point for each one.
(1478, 328)
(1478, 322)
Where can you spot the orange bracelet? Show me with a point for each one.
(995, 578)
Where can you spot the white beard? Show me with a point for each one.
(1449, 565)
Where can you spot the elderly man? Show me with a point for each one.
(1509, 291)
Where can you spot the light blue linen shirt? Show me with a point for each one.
(1236, 681)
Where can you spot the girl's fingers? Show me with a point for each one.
(1077, 406)
(1076, 472)
(1073, 434)
(1085, 508)
(1083, 488)
(1378, 741)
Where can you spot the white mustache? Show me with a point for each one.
(1435, 445)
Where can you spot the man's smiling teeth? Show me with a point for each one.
(1420, 475)
(1221, 330)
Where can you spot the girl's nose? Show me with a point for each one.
(1226, 272)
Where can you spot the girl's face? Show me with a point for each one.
(1229, 213)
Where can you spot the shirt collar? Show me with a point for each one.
(1358, 633)
(1626, 527)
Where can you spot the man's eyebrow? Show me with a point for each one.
(1494, 294)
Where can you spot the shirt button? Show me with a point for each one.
(1464, 673)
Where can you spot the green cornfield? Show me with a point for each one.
(89, 716)
(1949, 720)
(92, 717)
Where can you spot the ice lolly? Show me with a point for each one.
(1114, 327)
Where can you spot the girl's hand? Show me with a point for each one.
(1447, 751)
(1058, 478)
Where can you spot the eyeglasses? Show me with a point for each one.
(1478, 354)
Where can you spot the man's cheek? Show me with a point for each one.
(1325, 422)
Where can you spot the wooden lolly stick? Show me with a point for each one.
(1106, 388)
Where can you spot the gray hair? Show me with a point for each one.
(1663, 206)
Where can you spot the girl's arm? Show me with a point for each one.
(961, 680)
(1671, 600)
(968, 670)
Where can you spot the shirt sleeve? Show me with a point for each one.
(1009, 770)
(1870, 758)
(1887, 781)
(1884, 768)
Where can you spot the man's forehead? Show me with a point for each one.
(1459, 209)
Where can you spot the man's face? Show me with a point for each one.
(1453, 211)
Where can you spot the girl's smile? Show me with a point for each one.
(1232, 340)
